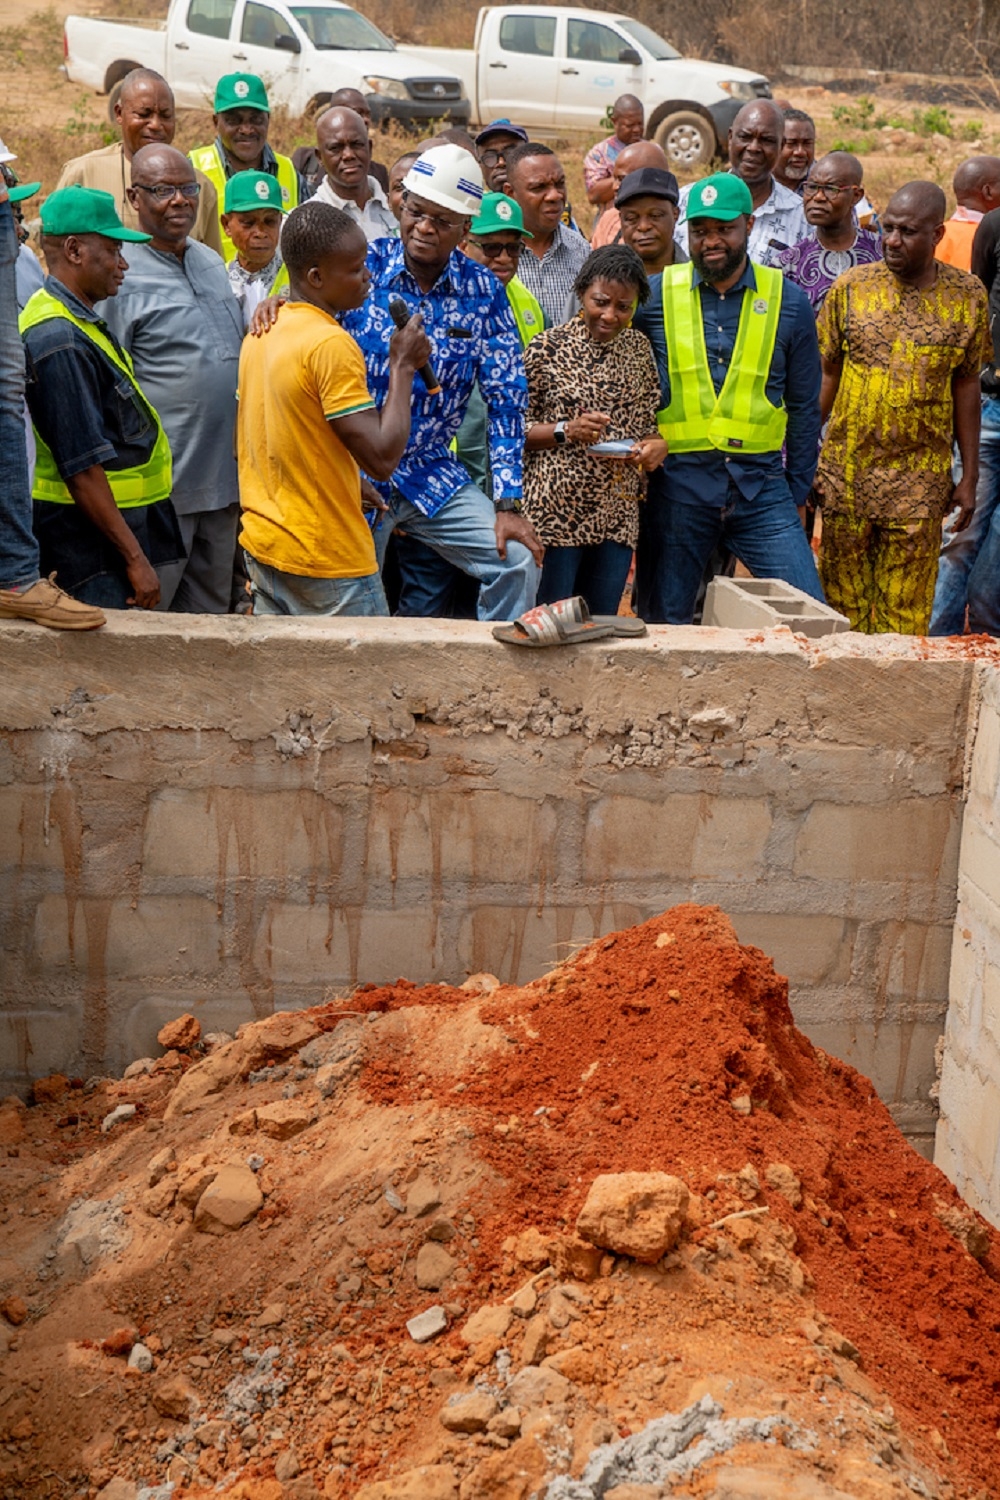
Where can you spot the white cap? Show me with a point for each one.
(449, 176)
(6, 155)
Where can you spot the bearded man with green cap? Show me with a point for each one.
(242, 119)
(740, 407)
(102, 511)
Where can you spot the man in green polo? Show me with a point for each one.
(242, 119)
(102, 510)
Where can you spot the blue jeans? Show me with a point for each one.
(598, 572)
(430, 586)
(276, 593)
(959, 564)
(464, 532)
(18, 548)
(765, 533)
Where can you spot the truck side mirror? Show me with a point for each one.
(287, 43)
(631, 56)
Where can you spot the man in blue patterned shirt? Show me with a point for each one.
(468, 320)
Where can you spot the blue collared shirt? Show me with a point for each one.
(794, 378)
(474, 340)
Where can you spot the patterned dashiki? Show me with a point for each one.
(815, 269)
(474, 339)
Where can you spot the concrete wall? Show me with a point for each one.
(968, 1135)
(230, 816)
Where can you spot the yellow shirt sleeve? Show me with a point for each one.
(338, 369)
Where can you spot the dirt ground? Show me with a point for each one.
(262, 1216)
(47, 120)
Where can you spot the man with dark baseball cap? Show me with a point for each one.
(492, 144)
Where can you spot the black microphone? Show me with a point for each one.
(400, 314)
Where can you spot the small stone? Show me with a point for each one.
(488, 1323)
(182, 1034)
(286, 1465)
(49, 1090)
(442, 1230)
(468, 1413)
(159, 1165)
(480, 984)
(174, 1398)
(524, 1303)
(120, 1113)
(427, 1325)
(422, 1198)
(638, 1214)
(230, 1202)
(531, 1249)
(537, 1338)
(157, 1200)
(243, 1124)
(574, 1259)
(140, 1359)
(431, 1482)
(273, 1316)
(284, 1119)
(15, 1310)
(970, 1232)
(506, 1423)
(393, 1199)
(783, 1180)
(537, 1386)
(118, 1489)
(137, 1069)
(434, 1266)
(193, 1177)
(747, 1183)
(742, 1104)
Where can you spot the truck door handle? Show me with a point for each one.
(498, 65)
(574, 71)
(182, 47)
(241, 55)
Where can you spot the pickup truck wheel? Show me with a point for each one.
(687, 138)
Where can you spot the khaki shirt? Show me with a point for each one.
(107, 169)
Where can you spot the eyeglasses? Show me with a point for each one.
(162, 192)
(493, 250)
(827, 189)
(439, 225)
(490, 158)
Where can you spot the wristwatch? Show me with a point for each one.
(559, 435)
(507, 505)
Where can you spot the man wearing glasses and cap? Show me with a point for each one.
(102, 511)
(492, 144)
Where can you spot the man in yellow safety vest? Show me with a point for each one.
(741, 407)
(242, 119)
(102, 510)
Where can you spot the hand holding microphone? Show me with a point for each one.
(413, 343)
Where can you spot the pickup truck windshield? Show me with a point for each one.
(657, 48)
(340, 30)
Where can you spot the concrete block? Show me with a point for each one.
(221, 832)
(980, 857)
(808, 950)
(160, 936)
(519, 943)
(968, 1101)
(35, 1043)
(764, 603)
(631, 838)
(916, 838)
(298, 944)
(487, 838)
(40, 826)
(984, 777)
(897, 1056)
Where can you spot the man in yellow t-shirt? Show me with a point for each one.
(307, 424)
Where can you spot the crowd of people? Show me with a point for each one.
(246, 382)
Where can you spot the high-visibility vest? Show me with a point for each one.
(527, 311)
(207, 159)
(141, 485)
(740, 417)
(280, 282)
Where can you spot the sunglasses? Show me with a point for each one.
(494, 251)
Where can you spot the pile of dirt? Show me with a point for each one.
(210, 1265)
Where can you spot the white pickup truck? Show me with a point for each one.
(552, 67)
(304, 53)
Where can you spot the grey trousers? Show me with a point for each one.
(203, 584)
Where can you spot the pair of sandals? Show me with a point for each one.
(568, 622)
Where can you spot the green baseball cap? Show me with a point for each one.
(22, 191)
(84, 210)
(240, 91)
(246, 191)
(723, 196)
(497, 214)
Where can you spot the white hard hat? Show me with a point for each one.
(449, 176)
(6, 155)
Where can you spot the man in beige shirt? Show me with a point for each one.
(146, 116)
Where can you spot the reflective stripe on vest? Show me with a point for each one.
(206, 159)
(142, 485)
(280, 282)
(527, 311)
(740, 417)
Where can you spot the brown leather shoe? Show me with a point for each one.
(47, 604)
